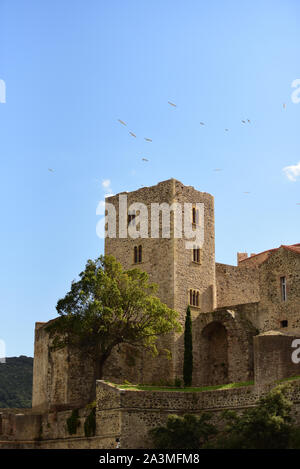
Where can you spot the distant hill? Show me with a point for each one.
(16, 382)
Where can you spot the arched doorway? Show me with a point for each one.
(214, 354)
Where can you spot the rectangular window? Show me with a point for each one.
(284, 323)
(197, 255)
(194, 298)
(283, 288)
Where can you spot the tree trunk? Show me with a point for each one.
(100, 366)
(98, 373)
(99, 362)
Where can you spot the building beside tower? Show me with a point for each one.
(243, 316)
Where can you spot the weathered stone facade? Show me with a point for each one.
(235, 304)
(128, 415)
(243, 326)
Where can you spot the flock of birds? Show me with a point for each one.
(147, 139)
(175, 105)
(247, 121)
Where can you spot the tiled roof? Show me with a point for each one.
(293, 247)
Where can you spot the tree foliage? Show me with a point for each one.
(110, 306)
(269, 425)
(16, 382)
(188, 350)
(266, 426)
(187, 432)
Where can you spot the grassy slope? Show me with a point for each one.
(191, 389)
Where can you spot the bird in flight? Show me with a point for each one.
(218, 169)
(248, 120)
(244, 122)
(51, 170)
(122, 122)
(284, 106)
(144, 159)
(226, 130)
(148, 139)
(247, 192)
(132, 134)
(171, 104)
(202, 123)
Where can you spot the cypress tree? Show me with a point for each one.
(188, 350)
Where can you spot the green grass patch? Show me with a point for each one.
(139, 387)
(291, 378)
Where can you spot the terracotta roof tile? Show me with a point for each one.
(293, 247)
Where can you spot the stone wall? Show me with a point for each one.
(222, 347)
(171, 266)
(273, 357)
(272, 309)
(158, 262)
(192, 275)
(20, 426)
(61, 378)
(129, 415)
(236, 285)
(236, 303)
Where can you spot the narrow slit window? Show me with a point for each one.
(135, 255)
(196, 255)
(140, 254)
(283, 288)
(195, 216)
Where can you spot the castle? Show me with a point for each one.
(244, 317)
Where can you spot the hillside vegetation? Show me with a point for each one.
(16, 382)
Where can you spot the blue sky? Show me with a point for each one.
(72, 68)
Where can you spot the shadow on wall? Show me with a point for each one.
(222, 348)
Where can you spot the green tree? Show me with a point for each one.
(107, 307)
(266, 426)
(187, 432)
(188, 350)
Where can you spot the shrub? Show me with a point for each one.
(73, 422)
(90, 423)
(266, 426)
(187, 432)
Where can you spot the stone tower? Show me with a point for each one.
(184, 275)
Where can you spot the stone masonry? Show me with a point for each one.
(244, 321)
